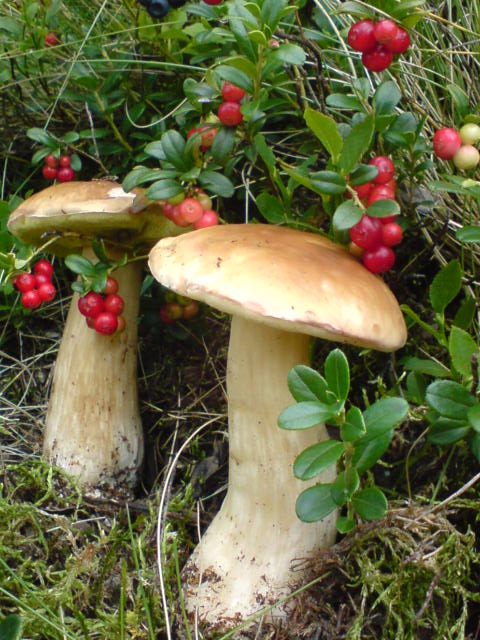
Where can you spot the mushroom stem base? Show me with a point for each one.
(246, 559)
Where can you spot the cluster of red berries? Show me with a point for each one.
(207, 135)
(58, 169)
(103, 311)
(372, 239)
(196, 210)
(378, 42)
(177, 308)
(36, 288)
(229, 112)
(458, 146)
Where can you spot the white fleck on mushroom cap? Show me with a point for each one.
(82, 210)
(288, 279)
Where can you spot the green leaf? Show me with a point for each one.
(354, 426)
(164, 189)
(173, 146)
(462, 347)
(315, 503)
(345, 486)
(217, 183)
(416, 388)
(80, 265)
(325, 129)
(446, 431)
(272, 12)
(11, 628)
(328, 182)
(271, 209)
(41, 136)
(306, 384)
(474, 444)
(155, 150)
(235, 76)
(387, 97)
(289, 54)
(383, 415)
(446, 286)
(468, 234)
(368, 451)
(356, 144)
(428, 367)
(304, 415)
(223, 144)
(345, 525)
(337, 374)
(473, 416)
(460, 99)
(466, 313)
(346, 216)
(370, 503)
(71, 137)
(383, 209)
(362, 174)
(317, 458)
(265, 152)
(139, 175)
(449, 399)
(341, 101)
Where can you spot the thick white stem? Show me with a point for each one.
(93, 427)
(246, 559)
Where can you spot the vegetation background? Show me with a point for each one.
(78, 565)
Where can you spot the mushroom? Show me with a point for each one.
(93, 428)
(281, 286)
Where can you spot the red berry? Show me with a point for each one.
(446, 143)
(355, 250)
(400, 42)
(177, 218)
(106, 323)
(51, 161)
(164, 316)
(91, 305)
(90, 322)
(25, 282)
(47, 292)
(111, 286)
(173, 310)
(379, 260)
(51, 40)
(361, 36)
(212, 2)
(204, 200)
(386, 169)
(66, 174)
(31, 299)
(114, 304)
(190, 310)
(49, 173)
(229, 114)
(363, 191)
(385, 31)
(467, 157)
(64, 161)
(231, 93)
(191, 133)
(391, 234)
(191, 210)
(208, 219)
(43, 267)
(367, 233)
(380, 192)
(167, 209)
(121, 324)
(208, 136)
(391, 184)
(41, 279)
(378, 59)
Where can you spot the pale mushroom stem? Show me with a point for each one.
(246, 558)
(93, 427)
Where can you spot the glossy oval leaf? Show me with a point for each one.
(362, 174)
(462, 347)
(370, 503)
(446, 286)
(356, 144)
(383, 209)
(325, 129)
(307, 384)
(384, 415)
(305, 415)
(345, 486)
(164, 189)
(235, 76)
(11, 628)
(427, 367)
(315, 503)
(346, 216)
(473, 416)
(317, 458)
(449, 399)
(445, 431)
(369, 450)
(337, 374)
(216, 183)
(354, 426)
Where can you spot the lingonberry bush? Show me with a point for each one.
(355, 120)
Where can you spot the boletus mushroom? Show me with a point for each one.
(281, 286)
(93, 428)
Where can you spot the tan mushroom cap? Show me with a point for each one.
(288, 279)
(83, 210)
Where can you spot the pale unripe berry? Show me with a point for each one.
(467, 157)
(470, 133)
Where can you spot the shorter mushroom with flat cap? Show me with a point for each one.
(93, 427)
(281, 286)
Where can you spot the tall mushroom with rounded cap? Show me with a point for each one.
(93, 427)
(281, 286)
